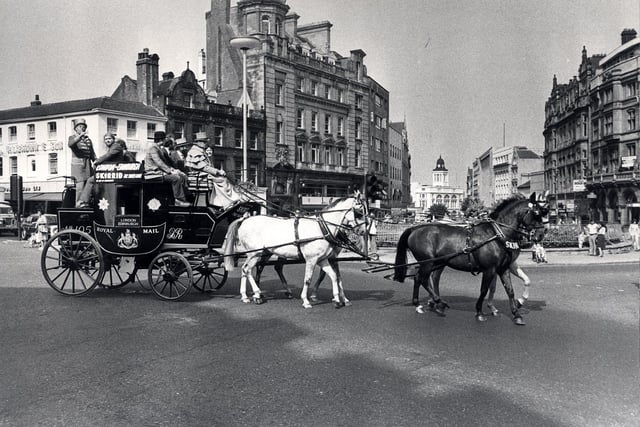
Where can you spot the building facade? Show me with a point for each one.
(34, 141)
(591, 138)
(323, 112)
(399, 190)
(511, 166)
(440, 192)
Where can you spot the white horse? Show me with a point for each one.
(312, 237)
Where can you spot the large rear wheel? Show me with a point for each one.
(170, 276)
(72, 262)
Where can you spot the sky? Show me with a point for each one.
(465, 75)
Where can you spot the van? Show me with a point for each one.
(7, 219)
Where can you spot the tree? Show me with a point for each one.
(472, 206)
(438, 210)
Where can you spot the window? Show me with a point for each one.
(112, 125)
(238, 138)
(358, 156)
(315, 153)
(218, 135)
(265, 26)
(278, 27)
(631, 119)
(187, 99)
(195, 129)
(279, 137)
(253, 140)
(340, 126)
(132, 129)
(1, 166)
(340, 95)
(53, 163)
(327, 91)
(279, 94)
(31, 164)
(358, 101)
(300, 157)
(314, 88)
(178, 130)
(327, 123)
(52, 130)
(378, 122)
(595, 127)
(151, 129)
(608, 124)
(31, 131)
(327, 156)
(378, 100)
(0, 135)
(253, 173)
(340, 156)
(358, 129)
(631, 149)
(13, 133)
(13, 163)
(300, 84)
(314, 121)
(300, 118)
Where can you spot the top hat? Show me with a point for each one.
(78, 122)
(201, 136)
(159, 136)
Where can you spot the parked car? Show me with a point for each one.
(7, 219)
(29, 225)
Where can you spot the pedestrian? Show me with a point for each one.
(540, 253)
(601, 240)
(581, 239)
(158, 167)
(373, 244)
(592, 231)
(42, 229)
(82, 155)
(634, 232)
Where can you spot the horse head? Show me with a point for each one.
(346, 212)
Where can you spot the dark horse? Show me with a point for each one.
(490, 246)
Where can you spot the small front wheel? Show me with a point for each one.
(208, 272)
(170, 276)
(72, 262)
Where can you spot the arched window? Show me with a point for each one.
(278, 27)
(266, 24)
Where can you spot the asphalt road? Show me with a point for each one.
(123, 357)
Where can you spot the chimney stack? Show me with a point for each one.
(147, 76)
(36, 102)
(627, 35)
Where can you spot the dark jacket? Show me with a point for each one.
(114, 154)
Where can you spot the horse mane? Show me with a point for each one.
(335, 202)
(503, 204)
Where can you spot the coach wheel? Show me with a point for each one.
(72, 262)
(170, 275)
(119, 271)
(209, 273)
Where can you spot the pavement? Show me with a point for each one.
(554, 257)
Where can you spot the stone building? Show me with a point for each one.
(189, 110)
(440, 192)
(323, 112)
(399, 190)
(510, 166)
(591, 137)
(33, 141)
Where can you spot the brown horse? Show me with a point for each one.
(489, 246)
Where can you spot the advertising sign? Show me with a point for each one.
(579, 185)
(119, 172)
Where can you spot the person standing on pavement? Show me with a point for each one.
(601, 240)
(42, 229)
(634, 232)
(592, 231)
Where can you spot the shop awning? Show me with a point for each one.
(43, 197)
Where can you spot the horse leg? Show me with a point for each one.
(279, 267)
(418, 280)
(525, 294)
(328, 269)
(308, 273)
(246, 275)
(492, 291)
(316, 285)
(487, 278)
(508, 287)
(439, 305)
(336, 267)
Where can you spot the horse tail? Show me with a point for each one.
(229, 246)
(400, 270)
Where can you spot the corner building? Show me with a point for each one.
(318, 105)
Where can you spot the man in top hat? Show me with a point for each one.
(158, 166)
(82, 154)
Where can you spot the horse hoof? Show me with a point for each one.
(415, 301)
(494, 311)
(519, 321)
(420, 309)
(338, 304)
(246, 300)
(313, 298)
(289, 295)
(306, 305)
(440, 312)
(258, 300)
(431, 304)
(481, 317)
(348, 303)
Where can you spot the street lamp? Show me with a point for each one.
(244, 43)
